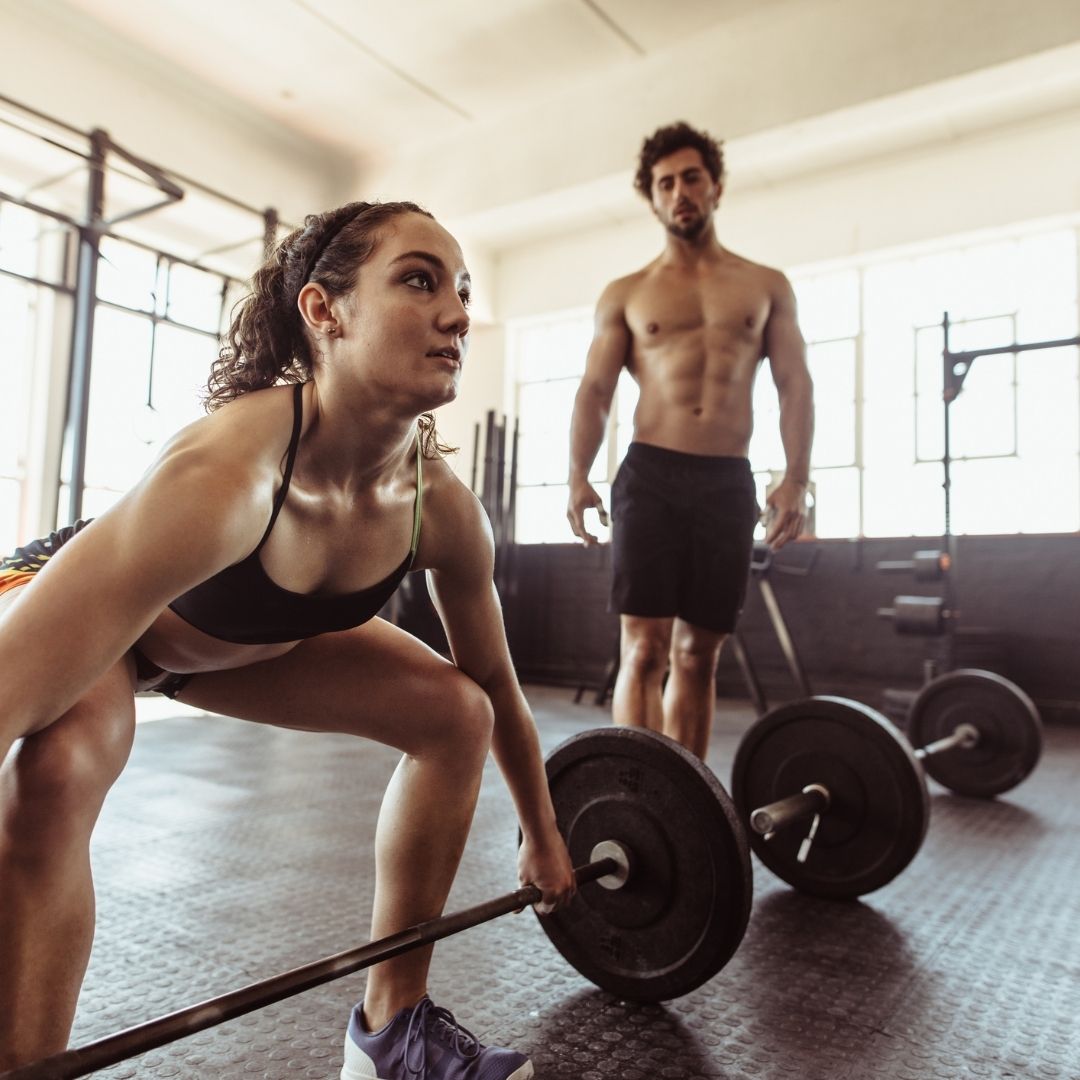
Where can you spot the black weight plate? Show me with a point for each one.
(683, 911)
(878, 810)
(1010, 732)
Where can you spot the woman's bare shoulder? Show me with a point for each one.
(454, 523)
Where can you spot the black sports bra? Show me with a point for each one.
(243, 605)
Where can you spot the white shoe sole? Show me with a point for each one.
(350, 1071)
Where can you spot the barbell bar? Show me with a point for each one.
(927, 565)
(217, 1010)
(926, 616)
(656, 913)
(859, 782)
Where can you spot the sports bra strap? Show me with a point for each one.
(290, 459)
(418, 506)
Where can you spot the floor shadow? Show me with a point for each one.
(593, 1033)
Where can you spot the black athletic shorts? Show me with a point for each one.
(682, 536)
(23, 563)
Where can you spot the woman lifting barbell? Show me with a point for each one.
(242, 575)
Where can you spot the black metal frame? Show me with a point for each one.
(956, 366)
(95, 226)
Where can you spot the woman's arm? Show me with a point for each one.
(199, 508)
(461, 558)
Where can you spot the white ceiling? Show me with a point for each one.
(512, 117)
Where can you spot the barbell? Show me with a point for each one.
(663, 870)
(855, 783)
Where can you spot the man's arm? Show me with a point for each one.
(607, 356)
(786, 350)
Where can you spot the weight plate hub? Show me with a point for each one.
(878, 810)
(683, 910)
(1010, 731)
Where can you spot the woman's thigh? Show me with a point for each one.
(375, 680)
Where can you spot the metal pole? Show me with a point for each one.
(950, 390)
(178, 1025)
(82, 346)
(270, 228)
(783, 635)
(746, 666)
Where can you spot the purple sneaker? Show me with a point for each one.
(425, 1043)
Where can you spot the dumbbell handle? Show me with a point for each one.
(813, 799)
(965, 737)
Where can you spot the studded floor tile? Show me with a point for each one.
(229, 852)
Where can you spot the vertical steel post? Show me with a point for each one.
(82, 345)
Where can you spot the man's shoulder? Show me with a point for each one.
(768, 274)
(623, 287)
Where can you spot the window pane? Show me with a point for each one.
(766, 448)
(10, 496)
(31, 244)
(832, 367)
(1046, 267)
(983, 419)
(889, 398)
(16, 318)
(901, 499)
(540, 516)
(118, 449)
(626, 399)
(828, 305)
(181, 367)
(553, 350)
(195, 297)
(127, 275)
(836, 501)
(544, 431)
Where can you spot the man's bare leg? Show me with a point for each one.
(690, 694)
(643, 661)
(51, 791)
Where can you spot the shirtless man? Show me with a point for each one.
(691, 327)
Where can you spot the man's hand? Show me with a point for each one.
(785, 513)
(583, 497)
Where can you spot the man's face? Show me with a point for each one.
(684, 195)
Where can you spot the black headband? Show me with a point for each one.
(327, 239)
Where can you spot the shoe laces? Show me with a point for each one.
(425, 1017)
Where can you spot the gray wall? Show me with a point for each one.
(1018, 598)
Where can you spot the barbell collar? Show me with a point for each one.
(145, 1037)
(813, 799)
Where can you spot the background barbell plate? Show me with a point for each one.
(879, 806)
(682, 914)
(1010, 731)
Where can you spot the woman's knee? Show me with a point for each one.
(468, 715)
(69, 766)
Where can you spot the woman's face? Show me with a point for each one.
(405, 325)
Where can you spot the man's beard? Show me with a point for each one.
(689, 230)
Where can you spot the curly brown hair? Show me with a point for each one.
(267, 343)
(666, 140)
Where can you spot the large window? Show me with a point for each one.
(874, 342)
(35, 313)
(167, 274)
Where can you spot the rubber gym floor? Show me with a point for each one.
(230, 852)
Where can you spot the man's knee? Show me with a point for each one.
(644, 651)
(695, 655)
